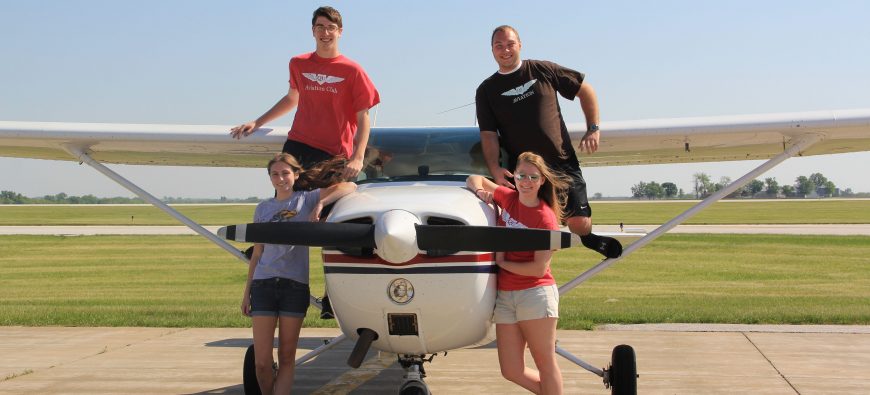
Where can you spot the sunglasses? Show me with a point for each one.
(532, 177)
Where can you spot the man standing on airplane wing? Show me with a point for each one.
(332, 96)
(517, 108)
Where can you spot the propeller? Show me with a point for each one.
(490, 238)
(429, 237)
(318, 234)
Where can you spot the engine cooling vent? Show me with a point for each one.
(402, 324)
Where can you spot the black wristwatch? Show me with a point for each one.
(593, 128)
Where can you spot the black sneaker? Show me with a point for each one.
(326, 311)
(604, 245)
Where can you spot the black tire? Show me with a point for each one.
(623, 371)
(366, 337)
(249, 373)
(414, 388)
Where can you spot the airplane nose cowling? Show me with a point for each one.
(396, 237)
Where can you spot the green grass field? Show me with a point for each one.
(843, 211)
(184, 281)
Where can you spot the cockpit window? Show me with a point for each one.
(423, 152)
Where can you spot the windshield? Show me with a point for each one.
(423, 152)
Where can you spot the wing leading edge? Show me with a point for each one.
(401, 151)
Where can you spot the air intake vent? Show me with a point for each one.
(442, 221)
(402, 324)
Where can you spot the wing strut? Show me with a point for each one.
(83, 157)
(800, 144)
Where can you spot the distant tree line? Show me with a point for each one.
(816, 185)
(10, 197)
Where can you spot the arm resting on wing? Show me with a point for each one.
(283, 106)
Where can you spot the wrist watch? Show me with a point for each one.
(592, 128)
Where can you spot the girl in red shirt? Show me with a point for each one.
(527, 305)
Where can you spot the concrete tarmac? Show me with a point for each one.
(671, 359)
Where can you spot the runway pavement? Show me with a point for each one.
(671, 359)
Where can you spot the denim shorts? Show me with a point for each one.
(278, 296)
(526, 304)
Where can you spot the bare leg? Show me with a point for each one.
(288, 339)
(580, 226)
(541, 337)
(512, 360)
(264, 338)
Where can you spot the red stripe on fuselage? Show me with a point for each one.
(420, 258)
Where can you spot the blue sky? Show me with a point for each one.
(225, 62)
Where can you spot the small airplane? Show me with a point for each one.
(408, 257)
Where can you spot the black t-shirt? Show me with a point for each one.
(523, 108)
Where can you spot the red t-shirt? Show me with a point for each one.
(331, 92)
(516, 215)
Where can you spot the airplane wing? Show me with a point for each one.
(726, 138)
(405, 151)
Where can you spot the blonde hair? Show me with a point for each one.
(322, 175)
(553, 191)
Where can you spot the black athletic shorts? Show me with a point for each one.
(578, 203)
(307, 155)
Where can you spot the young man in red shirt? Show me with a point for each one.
(332, 96)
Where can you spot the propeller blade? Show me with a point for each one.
(491, 238)
(317, 234)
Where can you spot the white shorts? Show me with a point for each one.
(526, 304)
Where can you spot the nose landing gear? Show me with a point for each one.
(414, 374)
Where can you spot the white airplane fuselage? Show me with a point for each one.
(417, 302)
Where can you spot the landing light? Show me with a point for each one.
(400, 291)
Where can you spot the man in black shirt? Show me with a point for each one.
(517, 109)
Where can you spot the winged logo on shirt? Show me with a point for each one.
(520, 89)
(321, 79)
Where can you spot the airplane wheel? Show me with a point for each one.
(249, 373)
(623, 371)
(414, 387)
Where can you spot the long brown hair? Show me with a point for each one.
(553, 191)
(322, 175)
